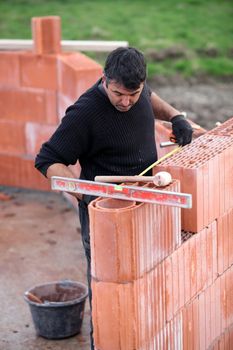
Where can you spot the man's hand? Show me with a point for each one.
(58, 169)
(182, 130)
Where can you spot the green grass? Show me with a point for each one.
(152, 24)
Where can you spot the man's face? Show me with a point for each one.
(120, 97)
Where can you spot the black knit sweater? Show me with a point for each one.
(104, 140)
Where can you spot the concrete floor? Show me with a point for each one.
(40, 242)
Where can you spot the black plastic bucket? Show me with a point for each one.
(57, 308)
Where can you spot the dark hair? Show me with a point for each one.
(126, 66)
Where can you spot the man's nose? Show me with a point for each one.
(125, 101)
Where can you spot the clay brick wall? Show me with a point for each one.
(35, 90)
(163, 279)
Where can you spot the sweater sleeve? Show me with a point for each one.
(68, 143)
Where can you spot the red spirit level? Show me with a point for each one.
(136, 193)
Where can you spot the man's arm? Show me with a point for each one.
(58, 169)
(162, 110)
(181, 128)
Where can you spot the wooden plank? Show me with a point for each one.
(67, 45)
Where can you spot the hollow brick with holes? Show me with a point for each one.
(198, 166)
(134, 238)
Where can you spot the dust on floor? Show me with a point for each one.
(40, 242)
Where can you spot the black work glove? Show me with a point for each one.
(182, 130)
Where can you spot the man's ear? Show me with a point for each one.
(105, 81)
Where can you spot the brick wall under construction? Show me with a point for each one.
(161, 276)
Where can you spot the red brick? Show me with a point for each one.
(38, 71)
(223, 301)
(109, 316)
(25, 105)
(230, 233)
(143, 248)
(208, 317)
(193, 266)
(221, 343)
(9, 69)
(36, 134)
(76, 73)
(63, 103)
(194, 166)
(214, 328)
(192, 183)
(211, 252)
(229, 296)
(175, 282)
(181, 277)
(12, 137)
(129, 315)
(195, 324)
(20, 172)
(202, 321)
(51, 107)
(187, 258)
(215, 196)
(177, 331)
(46, 34)
(112, 261)
(217, 304)
(228, 162)
(188, 327)
(220, 244)
(185, 328)
(197, 237)
(225, 241)
(225, 129)
(231, 335)
(169, 288)
(204, 270)
(227, 344)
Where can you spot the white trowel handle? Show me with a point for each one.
(123, 178)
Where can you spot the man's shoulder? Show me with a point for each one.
(90, 97)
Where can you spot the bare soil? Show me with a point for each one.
(205, 100)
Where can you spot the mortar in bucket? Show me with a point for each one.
(57, 308)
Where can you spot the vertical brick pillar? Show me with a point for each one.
(46, 34)
(129, 242)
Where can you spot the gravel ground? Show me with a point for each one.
(205, 102)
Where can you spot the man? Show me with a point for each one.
(110, 130)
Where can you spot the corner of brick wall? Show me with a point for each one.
(36, 87)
